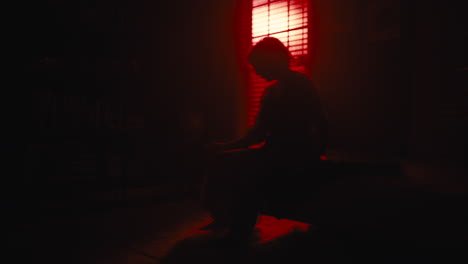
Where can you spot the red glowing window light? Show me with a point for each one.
(286, 20)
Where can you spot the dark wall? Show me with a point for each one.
(100, 83)
(439, 82)
(392, 76)
(359, 70)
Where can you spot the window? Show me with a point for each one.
(286, 20)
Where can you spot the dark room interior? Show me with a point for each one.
(110, 105)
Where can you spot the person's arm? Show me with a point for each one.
(256, 134)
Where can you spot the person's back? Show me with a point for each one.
(292, 112)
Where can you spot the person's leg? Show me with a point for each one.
(214, 195)
(230, 189)
(246, 198)
(245, 212)
(223, 183)
(290, 179)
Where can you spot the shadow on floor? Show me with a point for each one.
(428, 228)
(315, 246)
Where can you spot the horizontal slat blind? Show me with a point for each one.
(286, 20)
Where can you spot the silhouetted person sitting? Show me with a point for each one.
(292, 125)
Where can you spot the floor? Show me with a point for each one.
(357, 221)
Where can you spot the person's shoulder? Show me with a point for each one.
(273, 87)
(270, 89)
(302, 80)
(299, 77)
(302, 75)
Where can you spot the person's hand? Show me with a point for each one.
(216, 147)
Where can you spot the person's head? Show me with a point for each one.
(270, 58)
